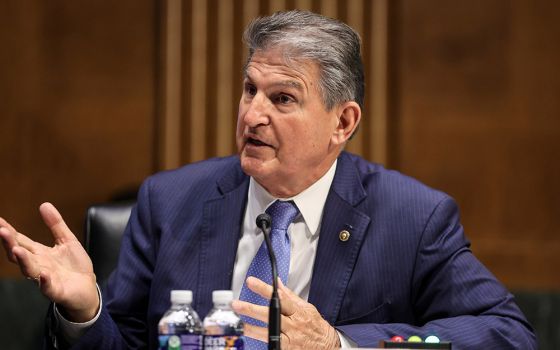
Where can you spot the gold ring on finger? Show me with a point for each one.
(36, 279)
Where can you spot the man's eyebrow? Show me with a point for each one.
(283, 83)
(289, 83)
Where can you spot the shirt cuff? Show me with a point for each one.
(72, 331)
(345, 342)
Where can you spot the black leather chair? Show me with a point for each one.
(105, 224)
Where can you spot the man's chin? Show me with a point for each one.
(254, 167)
(250, 165)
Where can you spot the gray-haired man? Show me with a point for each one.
(373, 253)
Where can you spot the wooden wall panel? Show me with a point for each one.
(77, 93)
(476, 108)
(213, 58)
(95, 96)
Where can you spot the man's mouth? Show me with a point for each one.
(256, 142)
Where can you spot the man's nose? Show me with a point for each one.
(257, 112)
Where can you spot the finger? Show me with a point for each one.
(8, 242)
(265, 290)
(55, 223)
(290, 301)
(258, 286)
(12, 238)
(258, 312)
(285, 341)
(286, 292)
(10, 230)
(256, 332)
(4, 223)
(27, 264)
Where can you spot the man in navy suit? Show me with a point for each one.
(373, 253)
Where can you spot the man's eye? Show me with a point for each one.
(284, 99)
(250, 89)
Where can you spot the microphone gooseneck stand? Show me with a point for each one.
(264, 223)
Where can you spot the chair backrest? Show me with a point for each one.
(105, 224)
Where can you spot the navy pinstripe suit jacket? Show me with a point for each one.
(406, 269)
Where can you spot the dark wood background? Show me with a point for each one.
(464, 96)
(476, 112)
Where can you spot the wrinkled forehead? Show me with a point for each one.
(283, 56)
(305, 70)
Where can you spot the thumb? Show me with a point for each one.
(55, 223)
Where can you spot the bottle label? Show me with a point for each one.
(223, 342)
(180, 342)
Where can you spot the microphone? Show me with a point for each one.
(264, 222)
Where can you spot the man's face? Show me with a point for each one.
(284, 132)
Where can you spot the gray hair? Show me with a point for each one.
(333, 45)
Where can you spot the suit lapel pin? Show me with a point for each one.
(344, 235)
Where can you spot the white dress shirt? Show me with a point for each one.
(303, 232)
(304, 236)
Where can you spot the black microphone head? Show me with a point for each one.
(264, 221)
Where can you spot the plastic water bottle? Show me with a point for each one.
(180, 327)
(223, 328)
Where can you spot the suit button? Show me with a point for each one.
(344, 235)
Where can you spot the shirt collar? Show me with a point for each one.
(310, 202)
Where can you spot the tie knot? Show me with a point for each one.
(282, 213)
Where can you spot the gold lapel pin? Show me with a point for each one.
(344, 235)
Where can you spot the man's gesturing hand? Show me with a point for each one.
(302, 325)
(64, 272)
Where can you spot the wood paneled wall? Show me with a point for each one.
(202, 105)
(460, 94)
(475, 111)
(77, 97)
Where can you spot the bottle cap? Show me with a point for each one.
(397, 339)
(431, 339)
(222, 296)
(415, 339)
(181, 296)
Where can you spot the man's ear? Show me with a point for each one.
(349, 116)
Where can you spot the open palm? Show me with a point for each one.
(64, 272)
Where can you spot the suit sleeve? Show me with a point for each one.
(454, 296)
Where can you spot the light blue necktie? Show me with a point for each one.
(282, 214)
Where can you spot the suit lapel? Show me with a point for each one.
(222, 222)
(335, 257)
